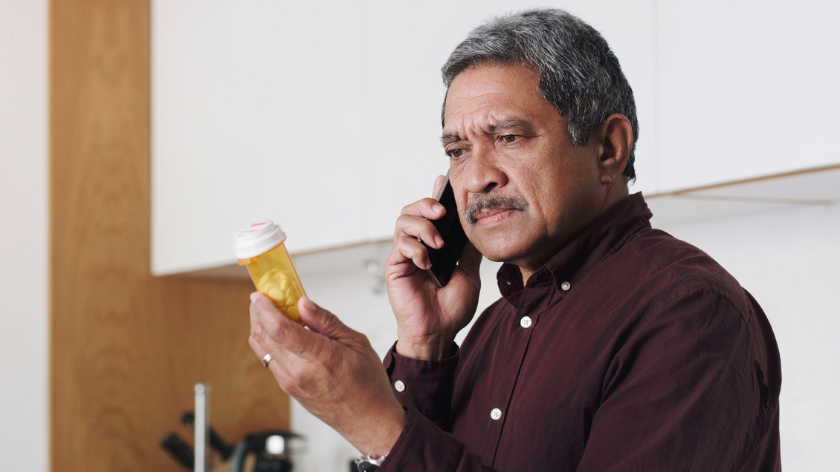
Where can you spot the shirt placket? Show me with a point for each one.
(519, 329)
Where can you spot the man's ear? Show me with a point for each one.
(615, 136)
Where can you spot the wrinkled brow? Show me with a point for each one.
(503, 126)
(449, 138)
(520, 126)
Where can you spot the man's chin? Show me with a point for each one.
(500, 249)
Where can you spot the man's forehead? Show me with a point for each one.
(493, 97)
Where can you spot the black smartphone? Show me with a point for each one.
(446, 258)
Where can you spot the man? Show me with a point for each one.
(614, 346)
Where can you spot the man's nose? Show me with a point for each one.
(482, 173)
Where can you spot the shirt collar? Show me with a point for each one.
(597, 241)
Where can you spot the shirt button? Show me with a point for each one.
(507, 282)
(496, 413)
(566, 286)
(399, 385)
(525, 322)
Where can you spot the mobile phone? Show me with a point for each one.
(449, 226)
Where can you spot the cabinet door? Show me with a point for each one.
(747, 88)
(257, 113)
(322, 116)
(407, 43)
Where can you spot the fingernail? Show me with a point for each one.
(254, 296)
(308, 304)
(437, 208)
(439, 241)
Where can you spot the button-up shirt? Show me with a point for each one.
(629, 350)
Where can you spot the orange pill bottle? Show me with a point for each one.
(260, 248)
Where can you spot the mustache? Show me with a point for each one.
(487, 202)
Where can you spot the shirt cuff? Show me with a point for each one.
(422, 447)
(423, 385)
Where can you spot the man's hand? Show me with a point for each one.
(331, 370)
(428, 317)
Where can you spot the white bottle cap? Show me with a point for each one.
(258, 238)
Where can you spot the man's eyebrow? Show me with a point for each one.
(449, 138)
(511, 125)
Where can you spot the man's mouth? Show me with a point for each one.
(490, 208)
(492, 215)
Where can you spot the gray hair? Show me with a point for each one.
(579, 74)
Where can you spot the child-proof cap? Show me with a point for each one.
(258, 238)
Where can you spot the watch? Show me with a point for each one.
(367, 463)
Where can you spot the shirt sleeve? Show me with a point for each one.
(424, 388)
(424, 447)
(682, 393)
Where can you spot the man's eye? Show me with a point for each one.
(455, 153)
(510, 138)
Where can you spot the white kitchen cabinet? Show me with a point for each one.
(746, 88)
(256, 113)
(322, 116)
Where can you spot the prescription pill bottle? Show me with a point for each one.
(260, 248)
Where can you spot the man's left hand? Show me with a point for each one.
(331, 370)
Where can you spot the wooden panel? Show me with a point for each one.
(126, 348)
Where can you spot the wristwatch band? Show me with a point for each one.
(366, 463)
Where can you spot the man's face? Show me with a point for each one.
(526, 189)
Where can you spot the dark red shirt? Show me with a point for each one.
(629, 350)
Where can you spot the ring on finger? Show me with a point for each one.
(266, 359)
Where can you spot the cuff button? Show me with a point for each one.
(399, 386)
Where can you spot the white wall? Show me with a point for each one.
(23, 235)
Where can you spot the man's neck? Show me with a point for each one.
(526, 274)
(613, 197)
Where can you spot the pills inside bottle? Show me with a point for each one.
(260, 248)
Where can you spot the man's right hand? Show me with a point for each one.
(428, 317)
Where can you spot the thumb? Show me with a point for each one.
(320, 320)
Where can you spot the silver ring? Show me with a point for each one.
(266, 360)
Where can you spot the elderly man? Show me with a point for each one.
(614, 346)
